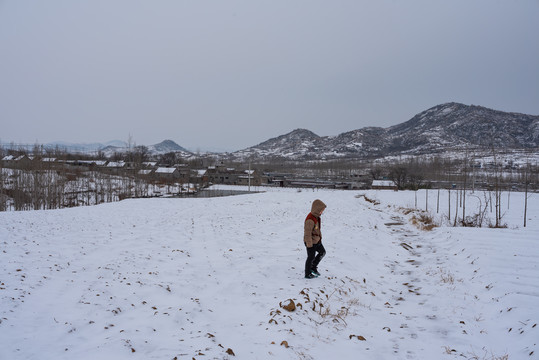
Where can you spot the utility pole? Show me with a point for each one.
(249, 176)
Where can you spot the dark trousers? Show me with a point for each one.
(314, 256)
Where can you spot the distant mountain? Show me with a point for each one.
(457, 125)
(85, 147)
(442, 128)
(297, 143)
(116, 146)
(165, 147)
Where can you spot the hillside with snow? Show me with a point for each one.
(215, 278)
(443, 128)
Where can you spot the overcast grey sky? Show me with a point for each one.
(231, 74)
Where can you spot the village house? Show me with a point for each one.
(145, 173)
(101, 163)
(49, 163)
(149, 164)
(19, 162)
(230, 176)
(222, 175)
(116, 164)
(167, 173)
(8, 161)
(278, 179)
(185, 172)
(115, 167)
(384, 185)
(83, 165)
(200, 177)
(249, 177)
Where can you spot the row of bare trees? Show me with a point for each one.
(53, 189)
(495, 180)
(486, 176)
(46, 186)
(39, 185)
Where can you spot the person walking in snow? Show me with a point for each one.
(312, 238)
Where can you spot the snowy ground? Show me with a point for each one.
(209, 279)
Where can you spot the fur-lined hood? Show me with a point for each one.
(317, 207)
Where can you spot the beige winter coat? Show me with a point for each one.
(312, 233)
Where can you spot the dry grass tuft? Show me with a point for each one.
(290, 306)
(447, 277)
(422, 220)
(372, 201)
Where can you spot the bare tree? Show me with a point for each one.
(497, 190)
(398, 174)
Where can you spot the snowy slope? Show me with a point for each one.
(445, 128)
(195, 278)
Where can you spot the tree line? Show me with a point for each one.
(38, 184)
(47, 185)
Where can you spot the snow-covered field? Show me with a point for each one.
(210, 279)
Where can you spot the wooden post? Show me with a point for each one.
(438, 202)
(426, 199)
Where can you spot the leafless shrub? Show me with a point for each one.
(487, 356)
(472, 221)
(423, 221)
(497, 225)
(447, 277)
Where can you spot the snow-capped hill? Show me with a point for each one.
(534, 130)
(298, 135)
(298, 143)
(454, 125)
(442, 128)
(360, 142)
(166, 146)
